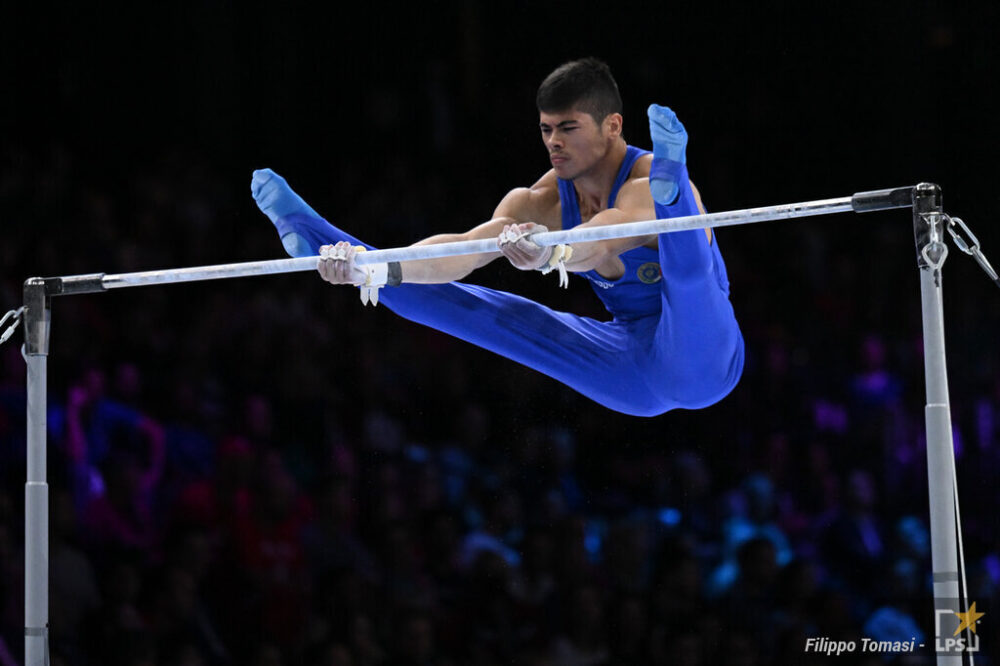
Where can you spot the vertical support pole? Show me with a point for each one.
(928, 227)
(37, 315)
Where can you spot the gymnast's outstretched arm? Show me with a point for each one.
(449, 269)
(427, 271)
(521, 205)
(518, 206)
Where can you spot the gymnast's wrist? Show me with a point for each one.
(558, 259)
(394, 274)
(543, 261)
(383, 275)
(558, 255)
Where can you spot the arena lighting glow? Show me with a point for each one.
(930, 225)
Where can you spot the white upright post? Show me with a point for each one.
(37, 315)
(928, 224)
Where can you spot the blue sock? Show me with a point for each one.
(281, 204)
(669, 153)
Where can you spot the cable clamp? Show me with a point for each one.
(972, 248)
(16, 315)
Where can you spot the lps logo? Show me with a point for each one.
(950, 640)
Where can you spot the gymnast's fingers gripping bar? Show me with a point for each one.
(861, 202)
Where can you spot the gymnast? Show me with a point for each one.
(673, 340)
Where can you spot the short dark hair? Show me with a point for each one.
(585, 84)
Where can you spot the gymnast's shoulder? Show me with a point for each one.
(536, 203)
(640, 169)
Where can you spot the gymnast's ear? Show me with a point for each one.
(612, 125)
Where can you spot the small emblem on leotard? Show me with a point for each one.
(649, 273)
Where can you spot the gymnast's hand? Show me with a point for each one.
(514, 244)
(337, 266)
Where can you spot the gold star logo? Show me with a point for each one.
(969, 619)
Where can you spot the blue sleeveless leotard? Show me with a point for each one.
(635, 293)
(673, 341)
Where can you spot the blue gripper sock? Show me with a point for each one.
(280, 203)
(669, 153)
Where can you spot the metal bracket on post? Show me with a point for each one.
(37, 318)
(929, 229)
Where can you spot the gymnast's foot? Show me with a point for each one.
(281, 204)
(669, 153)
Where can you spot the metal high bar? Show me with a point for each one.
(859, 203)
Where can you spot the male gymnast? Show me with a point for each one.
(673, 340)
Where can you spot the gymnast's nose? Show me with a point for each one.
(554, 143)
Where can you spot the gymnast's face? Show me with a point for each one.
(575, 141)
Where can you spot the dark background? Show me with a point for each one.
(127, 140)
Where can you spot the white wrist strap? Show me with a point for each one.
(376, 276)
(557, 260)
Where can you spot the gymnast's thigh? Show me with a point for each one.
(565, 346)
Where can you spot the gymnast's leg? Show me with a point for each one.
(699, 350)
(589, 356)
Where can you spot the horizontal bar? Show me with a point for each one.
(81, 283)
(216, 272)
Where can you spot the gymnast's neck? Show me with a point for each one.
(594, 187)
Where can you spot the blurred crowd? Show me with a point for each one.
(261, 472)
